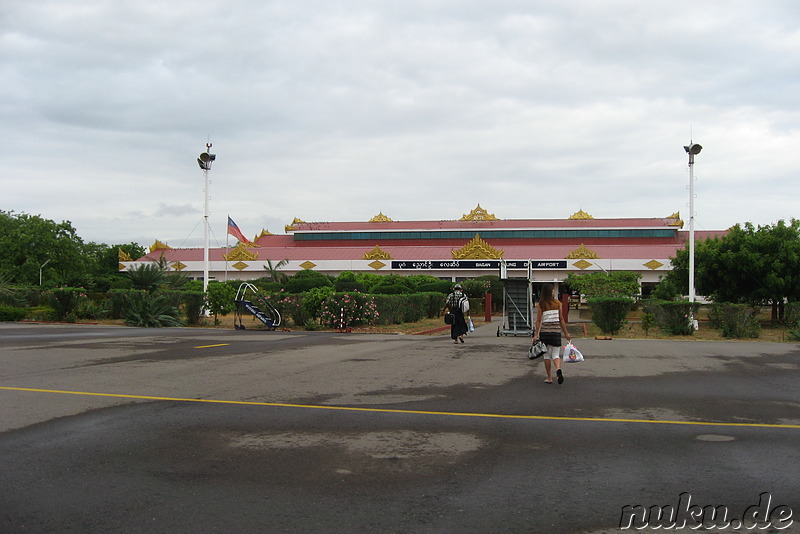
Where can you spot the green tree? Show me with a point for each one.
(750, 265)
(220, 298)
(605, 284)
(106, 260)
(30, 242)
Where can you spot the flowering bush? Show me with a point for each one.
(291, 305)
(65, 302)
(352, 308)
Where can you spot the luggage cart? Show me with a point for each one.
(518, 311)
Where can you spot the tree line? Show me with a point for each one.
(37, 251)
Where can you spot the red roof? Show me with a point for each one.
(405, 252)
(515, 224)
(280, 247)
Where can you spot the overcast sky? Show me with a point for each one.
(419, 109)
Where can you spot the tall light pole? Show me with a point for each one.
(40, 271)
(692, 149)
(205, 160)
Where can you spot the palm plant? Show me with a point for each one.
(147, 276)
(6, 293)
(151, 311)
(274, 271)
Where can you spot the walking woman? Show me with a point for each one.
(455, 304)
(549, 325)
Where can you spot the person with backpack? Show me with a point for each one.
(458, 304)
(550, 324)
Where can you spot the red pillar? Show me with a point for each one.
(487, 307)
(565, 307)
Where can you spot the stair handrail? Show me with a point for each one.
(241, 293)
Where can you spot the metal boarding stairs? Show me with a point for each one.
(269, 315)
(518, 309)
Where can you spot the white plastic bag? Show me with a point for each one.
(572, 354)
(469, 323)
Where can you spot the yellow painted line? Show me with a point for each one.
(413, 412)
(209, 346)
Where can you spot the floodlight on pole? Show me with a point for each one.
(692, 149)
(205, 160)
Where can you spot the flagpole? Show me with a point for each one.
(227, 250)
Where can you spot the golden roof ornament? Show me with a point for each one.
(158, 245)
(377, 253)
(263, 233)
(479, 214)
(380, 217)
(290, 227)
(240, 253)
(124, 256)
(582, 252)
(580, 215)
(677, 219)
(477, 249)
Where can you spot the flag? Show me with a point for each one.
(235, 232)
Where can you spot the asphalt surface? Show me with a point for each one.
(111, 429)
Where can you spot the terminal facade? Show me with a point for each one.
(478, 243)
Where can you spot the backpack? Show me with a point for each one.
(464, 305)
(454, 301)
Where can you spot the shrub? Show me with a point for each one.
(666, 289)
(609, 313)
(433, 302)
(151, 311)
(346, 281)
(219, 298)
(735, 320)
(266, 285)
(439, 286)
(10, 313)
(352, 308)
(305, 280)
(40, 313)
(190, 303)
(119, 300)
(791, 313)
(291, 307)
(313, 299)
(648, 321)
(673, 317)
(392, 284)
(193, 303)
(89, 309)
(65, 302)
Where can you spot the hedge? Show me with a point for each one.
(735, 320)
(672, 316)
(10, 313)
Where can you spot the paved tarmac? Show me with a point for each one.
(111, 429)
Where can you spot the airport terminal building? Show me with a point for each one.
(476, 244)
